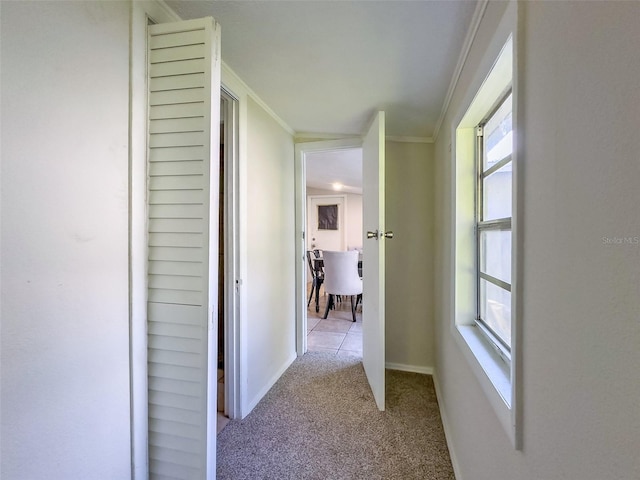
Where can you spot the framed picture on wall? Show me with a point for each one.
(327, 217)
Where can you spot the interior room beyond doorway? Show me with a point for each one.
(334, 222)
(337, 333)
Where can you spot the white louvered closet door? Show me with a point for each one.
(184, 73)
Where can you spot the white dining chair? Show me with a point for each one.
(341, 278)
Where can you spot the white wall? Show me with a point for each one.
(65, 330)
(353, 216)
(409, 210)
(269, 285)
(580, 328)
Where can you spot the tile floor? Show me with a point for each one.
(337, 334)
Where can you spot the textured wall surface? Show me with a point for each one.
(580, 328)
(65, 327)
(410, 255)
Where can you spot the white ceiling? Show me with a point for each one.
(344, 167)
(325, 67)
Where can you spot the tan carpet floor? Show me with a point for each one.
(320, 421)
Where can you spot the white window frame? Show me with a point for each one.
(481, 225)
(498, 379)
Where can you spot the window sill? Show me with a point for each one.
(492, 372)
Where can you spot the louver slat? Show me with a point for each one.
(176, 182)
(177, 110)
(181, 167)
(183, 67)
(177, 82)
(190, 269)
(176, 254)
(174, 358)
(176, 154)
(175, 197)
(173, 125)
(175, 97)
(180, 72)
(175, 297)
(177, 53)
(178, 139)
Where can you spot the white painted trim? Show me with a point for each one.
(480, 357)
(481, 6)
(141, 12)
(403, 139)
(232, 392)
(447, 428)
(409, 368)
(235, 86)
(300, 189)
(212, 150)
(272, 381)
(491, 373)
(164, 11)
(517, 231)
(301, 150)
(301, 137)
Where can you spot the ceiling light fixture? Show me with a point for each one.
(337, 186)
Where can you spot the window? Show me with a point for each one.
(487, 234)
(493, 225)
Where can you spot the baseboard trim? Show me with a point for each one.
(446, 427)
(272, 381)
(409, 368)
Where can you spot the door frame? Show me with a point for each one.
(232, 392)
(301, 150)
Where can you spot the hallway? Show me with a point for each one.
(320, 421)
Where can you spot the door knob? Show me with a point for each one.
(372, 234)
(388, 234)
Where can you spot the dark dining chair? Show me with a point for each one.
(317, 274)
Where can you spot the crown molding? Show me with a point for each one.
(403, 139)
(305, 137)
(229, 71)
(256, 98)
(462, 59)
(167, 10)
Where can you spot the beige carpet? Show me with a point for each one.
(320, 422)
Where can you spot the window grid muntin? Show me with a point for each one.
(504, 224)
(494, 245)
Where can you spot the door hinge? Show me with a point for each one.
(479, 131)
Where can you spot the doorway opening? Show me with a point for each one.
(227, 261)
(333, 206)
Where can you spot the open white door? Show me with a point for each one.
(184, 120)
(373, 322)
